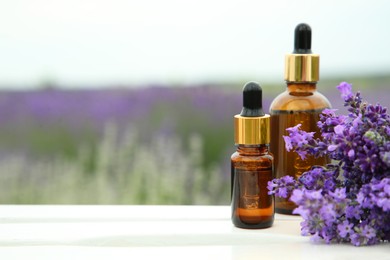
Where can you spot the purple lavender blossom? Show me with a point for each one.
(299, 139)
(345, 228)
(354, 206)
(339, 194)
(282, 187)
(346, 91)
(353, 212)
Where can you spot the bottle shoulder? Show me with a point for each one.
(253, 158)
(298, 101)
(252, 163)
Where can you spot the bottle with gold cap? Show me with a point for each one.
(301, 103)
(252, 163)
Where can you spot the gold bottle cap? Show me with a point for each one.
(302, 68)
(252, 126)
(252, 130)
(302, 65)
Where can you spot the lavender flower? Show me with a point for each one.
(346, 91)
(345, 228)
(349, 200)
(282, 187)
(299, 139)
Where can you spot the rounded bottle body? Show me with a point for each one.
(299, 104)
(252, 168)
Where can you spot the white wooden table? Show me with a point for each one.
(157, 232)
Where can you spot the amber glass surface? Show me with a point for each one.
(252, 168)
(299, 104)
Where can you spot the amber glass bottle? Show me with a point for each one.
(301, 103)
(252, 164)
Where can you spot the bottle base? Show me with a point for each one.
(253, 226)
(284, 206)
(284, 211)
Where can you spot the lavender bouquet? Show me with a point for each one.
(349, 199)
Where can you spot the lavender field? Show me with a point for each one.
(152, 145)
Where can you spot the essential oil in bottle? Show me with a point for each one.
(301, 103)
(252, 164)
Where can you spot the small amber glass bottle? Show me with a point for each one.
(252, 164)
(301, 103)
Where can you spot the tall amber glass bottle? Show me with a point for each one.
(301, 103)
(252, 164)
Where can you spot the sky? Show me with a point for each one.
(98, 42)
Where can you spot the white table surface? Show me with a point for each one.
(157, 232)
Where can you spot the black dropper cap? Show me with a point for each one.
(252, 100)
(302, 41)
(302, 65)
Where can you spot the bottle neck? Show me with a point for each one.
(253, 150)
(301, 89)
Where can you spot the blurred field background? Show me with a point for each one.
(152, 145)
(130, 102)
